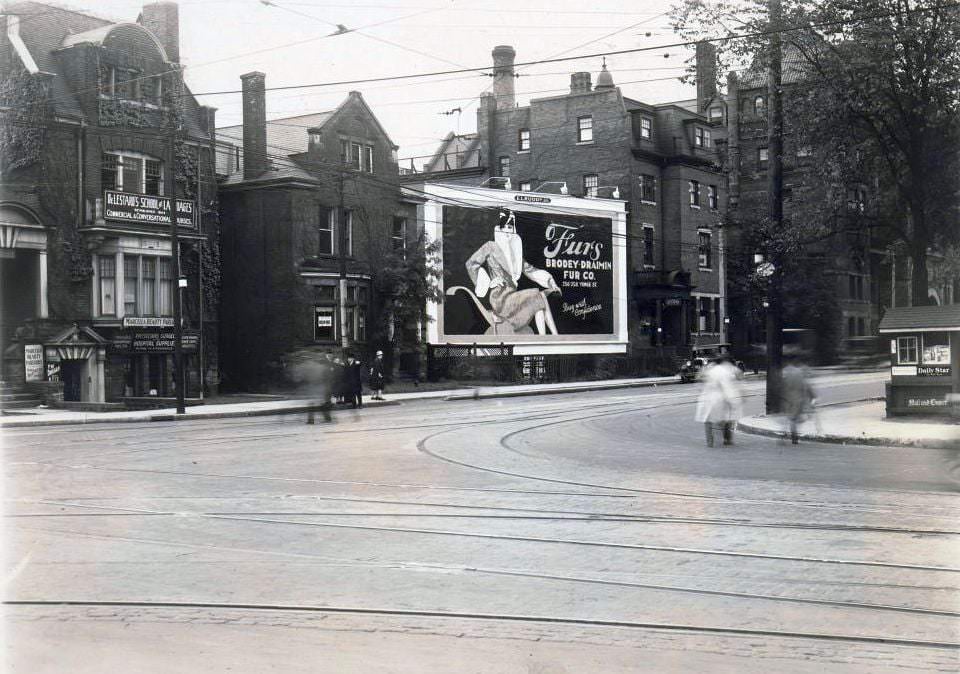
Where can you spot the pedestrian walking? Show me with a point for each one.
(377, 375)
(353, 378)
(311, 377)
(719, 402)
(798, 398)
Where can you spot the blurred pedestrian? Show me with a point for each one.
(339, 380)
(798, 398)
(353, 379)
(719, 402)
(377, 375)
(311, 377)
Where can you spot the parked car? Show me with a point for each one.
(700, 356)
(691, 369)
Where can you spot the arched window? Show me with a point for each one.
(759, 106)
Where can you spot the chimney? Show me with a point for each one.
(503, 77)
(254, 125)
(314, 143)
(580, 83)
(163, 20)
(706, 74)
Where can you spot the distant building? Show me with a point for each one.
(309, 206)
(90, 112)
(594, 142)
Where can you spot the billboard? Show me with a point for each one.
(546, 276)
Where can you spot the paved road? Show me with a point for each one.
(570, 533)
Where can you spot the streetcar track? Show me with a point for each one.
(543, 540)
(673, 627)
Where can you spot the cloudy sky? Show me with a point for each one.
(294, 43)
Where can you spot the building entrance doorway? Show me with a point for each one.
(71, 374)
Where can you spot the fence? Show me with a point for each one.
(499, 364)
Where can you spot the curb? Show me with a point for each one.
(172, 416)
(493, 392)
(932, 443)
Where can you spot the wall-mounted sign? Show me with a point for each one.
(147, 209)
(33, 362)
(536, 200)
(933, 370)
(926, 402)
(152, 341)
(148, 321)
(904, 370)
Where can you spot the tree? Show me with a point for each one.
(876, 99)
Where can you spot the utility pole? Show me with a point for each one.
(342, 249)
(175, 246)
(775, 208)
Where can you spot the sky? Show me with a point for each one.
(294, 42)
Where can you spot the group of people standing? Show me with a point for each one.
(719, 406)
(337, 380)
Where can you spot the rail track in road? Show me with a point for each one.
(675, 627)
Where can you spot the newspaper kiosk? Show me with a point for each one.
(924, 359)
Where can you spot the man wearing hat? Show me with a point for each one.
(376, 376)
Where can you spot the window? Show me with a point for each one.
(763, 156)
(326, 244)
(703, 315)
(907, 350)
(236, 159)
(694, 194)
(108, 284)
(523, 141)
(648, 246)
(165, 305)
(646, 128)
(648, 189)
(368, 158)
(712, 199)
(590, 184)
(585, 129)
(129, 172)
(131, 280)
(127, 84)
(855, 287)
(704, 250)
(936, 348)
(351, 153)
(716, 114)
(400, 235)
(717, 321)
(348, 232)
(759, 106)
(861, 326)
(503, 164)
(526, 186)
(148, 286)
(701, 137)
(856, 199)
(851, 327)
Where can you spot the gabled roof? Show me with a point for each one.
(907, 319)
(287, 135)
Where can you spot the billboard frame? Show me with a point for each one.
(438, 195)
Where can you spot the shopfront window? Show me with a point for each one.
(108, 284)
(907, 350)
(936, 348)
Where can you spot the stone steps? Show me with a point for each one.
(14, 397)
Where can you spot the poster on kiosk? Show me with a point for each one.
(550, 280)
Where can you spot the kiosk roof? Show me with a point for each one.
(912, 319)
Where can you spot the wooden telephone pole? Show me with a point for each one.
(775, 207)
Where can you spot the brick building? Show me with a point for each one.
(97, 122)
(311, 208)
(597, 143)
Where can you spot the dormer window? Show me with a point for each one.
(716, 114)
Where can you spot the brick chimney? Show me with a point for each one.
(503, 77)
(254, 125)
(706, 73)
(580, 83)
(314, 144)
(163, 20)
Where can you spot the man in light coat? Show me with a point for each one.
(719, 403)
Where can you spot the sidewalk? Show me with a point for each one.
(861, 423)
(247, 408)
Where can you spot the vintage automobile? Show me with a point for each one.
(699, 357)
